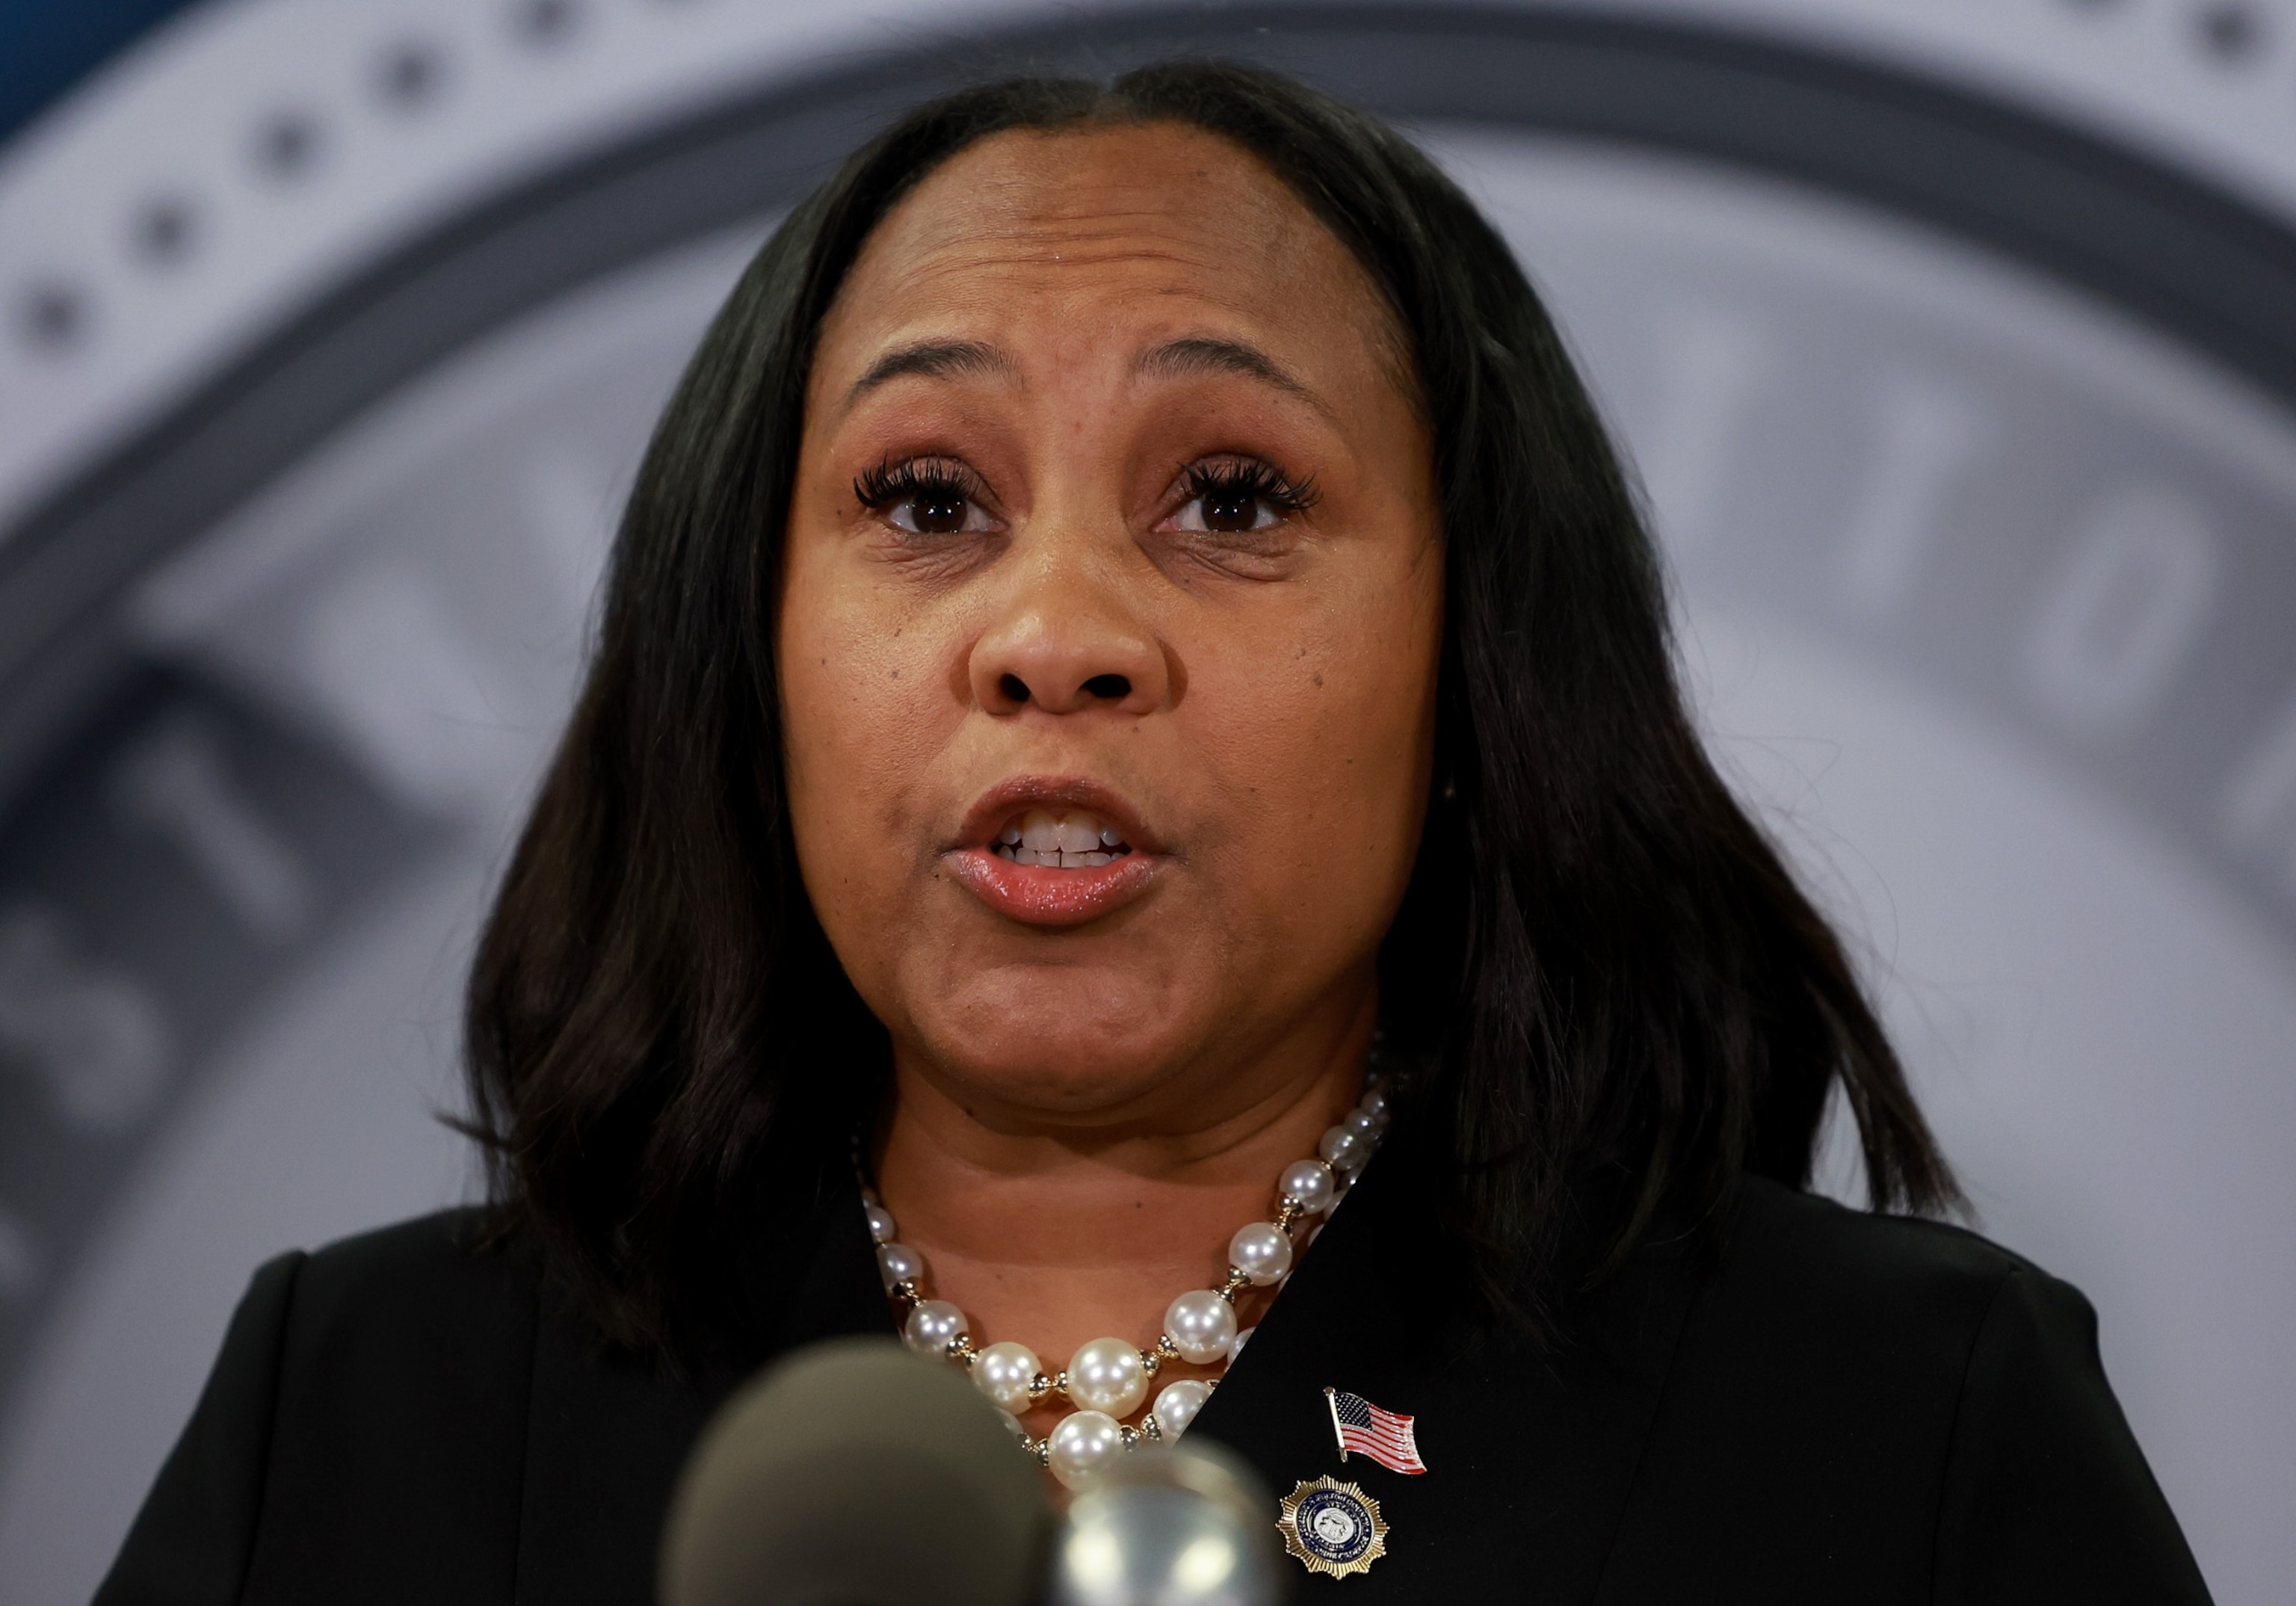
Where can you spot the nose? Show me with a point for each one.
(1067, 644)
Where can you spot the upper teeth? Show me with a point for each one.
(1068, 839)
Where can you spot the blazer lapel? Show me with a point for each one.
(1530, 1454)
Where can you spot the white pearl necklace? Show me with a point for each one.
(1107, 1379)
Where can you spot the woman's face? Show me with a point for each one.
(1109, 626)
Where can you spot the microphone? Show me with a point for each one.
(1169, 1526)
(853, 1473)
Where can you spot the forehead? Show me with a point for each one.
(1152, 222)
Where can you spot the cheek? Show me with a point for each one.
(862, 715)
(1325, 747)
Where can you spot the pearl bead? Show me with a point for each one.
(1082, 1447)
(1177, 1405)
(1200, 1325)
(1012, 1425)
(1309, 1180)
(880, 1223)
(933, 1326)
(1106, 1375)
(898, 1263)
(1375, 1103)
(1004, 1372)
(1344, 1150)
(1361, 1122)
(1242, 1338)
(1261, 1252)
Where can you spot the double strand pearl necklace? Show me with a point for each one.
(1107, 1379)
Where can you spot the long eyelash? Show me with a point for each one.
(880, 488)
(1250, 477)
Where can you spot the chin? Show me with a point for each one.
(1063, 1049)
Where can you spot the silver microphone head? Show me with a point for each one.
(1179, 1526)
(854, 1474)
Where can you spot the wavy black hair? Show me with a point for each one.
(1612, 985)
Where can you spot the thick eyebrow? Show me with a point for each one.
(1207, 354)
(935, 359)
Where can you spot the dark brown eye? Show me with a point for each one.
(1236, 498)
(926, 497)
(937, 512)
(1231, 508)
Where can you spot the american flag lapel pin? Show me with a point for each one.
(1365, 1430)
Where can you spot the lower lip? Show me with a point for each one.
(1038, 896)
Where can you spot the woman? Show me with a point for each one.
(1131, 667)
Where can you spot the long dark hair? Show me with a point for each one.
(1602, 966)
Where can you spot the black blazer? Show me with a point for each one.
(1836, 1408)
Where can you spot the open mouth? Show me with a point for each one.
(1055, 851)
(1060, 839)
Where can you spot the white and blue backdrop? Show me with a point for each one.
(1954, 341)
